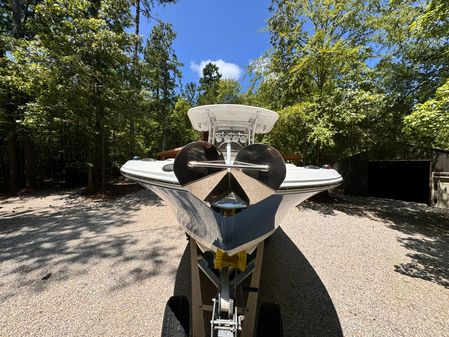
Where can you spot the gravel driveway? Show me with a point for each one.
(70, 266)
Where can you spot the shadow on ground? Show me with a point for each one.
(54, 243)
(427, 229)
(289, 280)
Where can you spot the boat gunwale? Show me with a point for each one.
(325, 184)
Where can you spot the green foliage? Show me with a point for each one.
(76, 72)
(291, 131)
(318, 72)
(68, 84)
(210, 77)
(345, 74)
(413, 62)
(209, 84)
(160, 76)
(215, 90)
(435, 19)
(228, 92)
(191, 93)
(426, 121)
(429, 123)
(180, 128)
(327, 130)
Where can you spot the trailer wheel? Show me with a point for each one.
(176, 317)
(269, 322)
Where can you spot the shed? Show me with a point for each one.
(405, 172)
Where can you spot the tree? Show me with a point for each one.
(397, 71)
(428, 124)
(14, 19)
(191, 93)
(160, 75)
(77, 73)
(180, 131)
(318, 67)
(209, 84)
(435, 19)
(144, 7)
(71, 88)
(228, 92)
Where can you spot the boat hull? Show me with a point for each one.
(231, 234)
(214, 230)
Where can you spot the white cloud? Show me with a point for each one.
(227, 70)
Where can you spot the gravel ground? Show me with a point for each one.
(71, 266)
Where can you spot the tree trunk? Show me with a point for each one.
(89, 178)
(100, 168)
(13, 163)
(29, 163)
(136, 80)
(164, 132)
(137, 30)
(12, 138)
(304, 155)
(17, 19)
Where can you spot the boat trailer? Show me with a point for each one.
(229, 317)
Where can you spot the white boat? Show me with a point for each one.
(231, 220)
(229, 194)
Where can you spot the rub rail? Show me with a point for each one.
(239, 165)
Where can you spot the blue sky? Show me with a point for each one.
(228, 32)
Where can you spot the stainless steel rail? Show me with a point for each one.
(244, 166)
